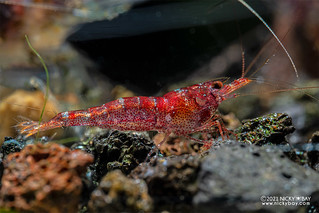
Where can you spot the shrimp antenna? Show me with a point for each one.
(272, 32)
(242, 53)
(282, 90)
(243, 63)
(253, 62)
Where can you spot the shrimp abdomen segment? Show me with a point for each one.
(136, 113)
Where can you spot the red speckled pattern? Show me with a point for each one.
(182, 111)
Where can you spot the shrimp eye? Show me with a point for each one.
(217, 85)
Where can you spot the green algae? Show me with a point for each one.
(268, 129)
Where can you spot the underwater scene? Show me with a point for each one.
(159, 106)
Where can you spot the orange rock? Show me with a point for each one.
(24, 104)
(43, 178)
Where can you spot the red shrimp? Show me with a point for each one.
(183, 111)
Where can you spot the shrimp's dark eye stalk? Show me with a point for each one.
(218, 85)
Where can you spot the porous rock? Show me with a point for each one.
(268, 129)
(176, 145)
(171, 179)
(117, 193)
(235, 176)
(116, 150)
(43, 178)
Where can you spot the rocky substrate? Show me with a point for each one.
(242, 175)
